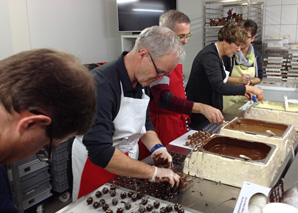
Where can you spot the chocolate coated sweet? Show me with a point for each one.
(127, 205)
(115, 201)
(109, 211)
(169, 208)
(113, 187)
(144, 200)
(112, 193)
(180, 209)
(140, 195)
(134, 197)
(98, 194)
(120, 210)
(105, 206)
(96, 204)
(123, 195)
(163, 210)
(102, 201)
(89, 200)
(130, 193)
(149, 207)
(105, 190)
(142, 209)
(156, 204)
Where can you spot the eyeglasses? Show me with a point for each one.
(238, 45)
(183, 37)
(45, 154)
(157, 72)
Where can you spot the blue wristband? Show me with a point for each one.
(156, 147)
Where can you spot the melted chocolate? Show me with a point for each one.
(256, 126)
(235, 147)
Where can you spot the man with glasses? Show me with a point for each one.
(208, 77)
(46, 97)
(123, 116)
(169, 108)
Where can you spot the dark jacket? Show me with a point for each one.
(205, 83)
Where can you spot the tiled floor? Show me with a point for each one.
(53, 204)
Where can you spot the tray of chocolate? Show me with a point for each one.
(112, 198)
(191, 139)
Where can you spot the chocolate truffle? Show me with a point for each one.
(144, 201)
(127, 205)
(105, 206)
(102, 201)
(130, 193)
(115, 201)
(112, 187)
(156, 204)
(120, 210)
(105, 190)
(169, 208)
(140, 195)
(123, 195)
(98, 194)
(142, 209)
(149, 207)
(163, 210)
(134, 197)
(180, 209)
(109, 211)
(89, 200)
(96, 204)
(176, 206)
(112, 193)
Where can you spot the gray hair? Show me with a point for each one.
(159, 41)
(171, 18)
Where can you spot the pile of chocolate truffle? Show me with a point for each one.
(161, 190)
(177, 158)
(108, 197)
(198, 138)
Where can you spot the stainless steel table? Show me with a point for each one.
(211, 197)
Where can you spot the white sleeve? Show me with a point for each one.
(227, 76)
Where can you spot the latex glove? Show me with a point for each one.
(162, 152)
(163, 174)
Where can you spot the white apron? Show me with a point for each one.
(229, 100)
(129, 128)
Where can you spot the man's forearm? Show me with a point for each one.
(123, 165)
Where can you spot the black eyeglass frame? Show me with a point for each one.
(45, 154)
(157, 72)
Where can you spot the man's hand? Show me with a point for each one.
(165, 175)
(212, 114)
(161, 156)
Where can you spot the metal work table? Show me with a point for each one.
(212, 197)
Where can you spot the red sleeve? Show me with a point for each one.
(166, 100)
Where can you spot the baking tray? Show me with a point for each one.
(81, 204)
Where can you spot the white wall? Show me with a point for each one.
(5, 31)
(281, 18)
(194, 10)
(86, 28)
